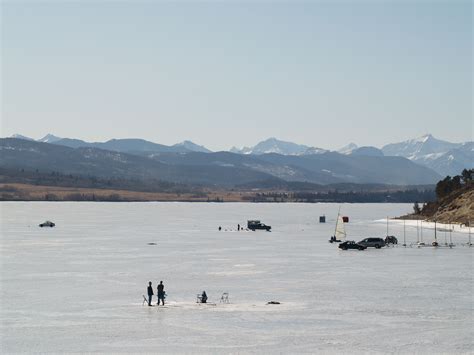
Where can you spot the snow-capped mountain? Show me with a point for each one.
(451, 162)
(314, 150)
(417, 148)
(273, 145)
(347, 149)
(444, 157)
(208, 169)
(49, 138)
(193, 147)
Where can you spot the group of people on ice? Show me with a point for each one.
(160, 293)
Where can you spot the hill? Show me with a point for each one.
(454, 201)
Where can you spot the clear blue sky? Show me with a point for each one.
(234, 73)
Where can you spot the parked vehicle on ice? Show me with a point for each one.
(255, 224)
(350, 244)
(47, 224)
(373, 242)
(390, 239)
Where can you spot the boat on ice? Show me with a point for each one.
(340, 230)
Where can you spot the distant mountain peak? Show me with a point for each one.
(444, 157)
(422, 139)
(348, 149)
(19, 136)
(273, 145)
(367, 151)
(191, 146)
(49, 138)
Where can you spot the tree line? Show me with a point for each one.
(450, 184)
(406, 196)
(446, 190)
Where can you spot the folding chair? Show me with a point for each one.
(225, 298)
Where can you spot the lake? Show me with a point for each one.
(78, 287)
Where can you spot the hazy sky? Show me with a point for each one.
(234, 73)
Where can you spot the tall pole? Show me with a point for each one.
(450, 235)
(445, 237)
(404, 234)
(417, 232)
(421, 231)
(470, 233)
(337, 221)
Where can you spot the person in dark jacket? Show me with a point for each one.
(161, 293)
(204, 297)
(150, 293)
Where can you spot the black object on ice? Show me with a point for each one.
(273, 302)
(333, 239)
(350, 244)
(161, 293)
(151, 243)
(202, 298)
(150, 293)
(255, 224)
(390, 239)
(47, 224)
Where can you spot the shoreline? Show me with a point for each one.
(204, 201)
(30, 192)
(425, 224)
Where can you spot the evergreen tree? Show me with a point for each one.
(416, 208)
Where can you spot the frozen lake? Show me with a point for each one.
(78, 287)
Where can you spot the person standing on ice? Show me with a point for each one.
(150, 293)
(161, 293)
(204, 297)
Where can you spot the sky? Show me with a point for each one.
(232, 73)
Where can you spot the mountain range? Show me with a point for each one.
(443, 157)
(121, 145)
(273, 145)
(144, 161)
(417, 161)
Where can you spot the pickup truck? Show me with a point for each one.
(254, 224)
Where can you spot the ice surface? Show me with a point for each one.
(78, 287)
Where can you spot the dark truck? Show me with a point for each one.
(254, 224)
